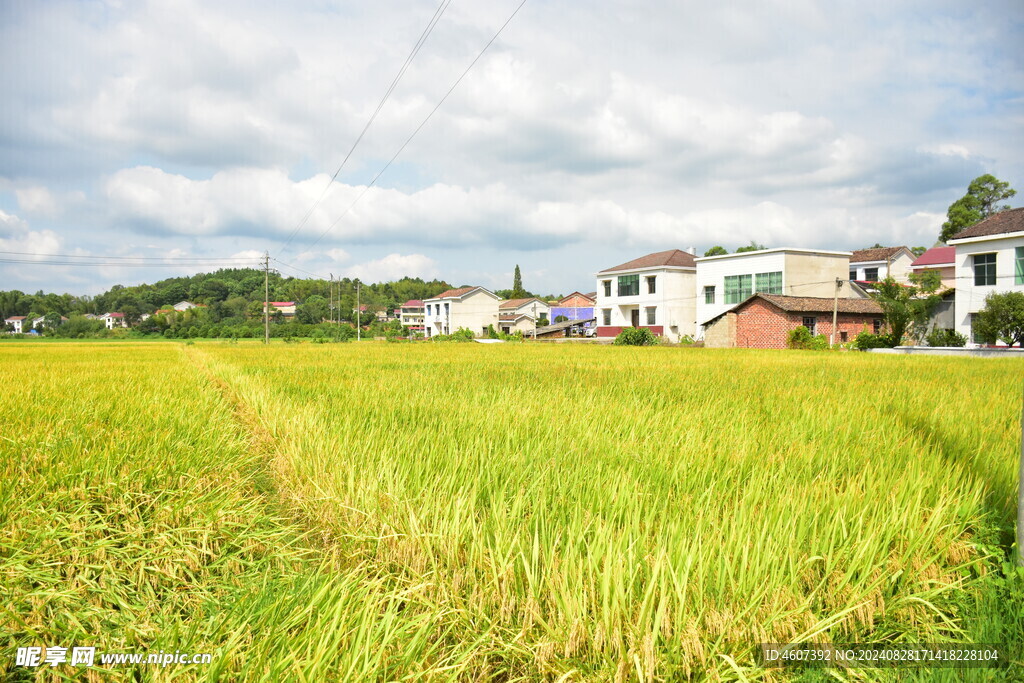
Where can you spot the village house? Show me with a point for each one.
(286, 308)
(728, 280)
(411, 315)
(39, 322)
(872, 265)
(576, 306)
(183, 306)
(521, 314)
(989, 257)
(763, 321)
(940, 259)
(655, 291)
(471, 308)
(16, 322)
(112, 320)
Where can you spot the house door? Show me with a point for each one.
(635, 317)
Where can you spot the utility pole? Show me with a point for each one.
(359, 329)
(835, 312)
(330, 290)
(266, 297)
(534, 321)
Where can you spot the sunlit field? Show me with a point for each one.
(505, 512)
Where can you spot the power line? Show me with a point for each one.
(391, 88)
(125, 264)
(131, 258)
(420, 127)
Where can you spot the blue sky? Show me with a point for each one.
(580, 140)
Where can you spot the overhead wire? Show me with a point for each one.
(380, 105)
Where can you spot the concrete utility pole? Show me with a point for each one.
(359, 329)
(330, 293)
(535, 321)
(835, 312)
(266, 297)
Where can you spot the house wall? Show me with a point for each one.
(673, 301)
(759, 325)
(571, 313)
(970, 298)
(576, 301)
(804, 273)
(946, 273)
(412, 317)
(524, 325)
(721, 334)
(898, 267)
(474, 312)
(528, 309)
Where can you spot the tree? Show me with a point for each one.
(907, 307)
(312, 311)
(753, 246)
(1002, 318)
(981, 201)
(517, 285)
(716, 251)
(917, 251)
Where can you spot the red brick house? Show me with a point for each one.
(763, 321)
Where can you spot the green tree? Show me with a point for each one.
(716, 251)
(753, 246)
(907, 308)
(517, 285)
(917, 251)
(313, 310)
(981, 201)
(1002, 318)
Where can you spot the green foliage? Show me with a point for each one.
(635, 336)
(945, 337)
(517, 285)
(866, 340)
(917, 251)
(801, 338)
(753, 246)
(1002, 318)
(561, 318)
(907, 308)
(981, 201)
(459, 335)
(716, 251)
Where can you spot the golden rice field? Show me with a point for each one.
(516, 512)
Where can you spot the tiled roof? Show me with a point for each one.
(814, 304)
(591, 295)
(936, 256)
(1008, 221)
(516, 303)
(279, 304)
(17, 317)
(511, 317)
(112, 315)
(454, 293)
(672, 257)
(877, 254)
(413, 303)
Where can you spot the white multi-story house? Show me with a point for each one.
(411, 315)
(989, 258)
(522, 314)
(471, 308)
(655, 291)
(872, 265)
(727, 280)
(16, 322)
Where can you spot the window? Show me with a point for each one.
(975, 337)
(606, 316)
(446, 309)
(853, 274)
(811, 324)
(709, 294)
(650, 284)
(607, 287)
(428, 309)
(769, 283)
(842, 337)
(1018, 278)
(871, 274)
(738, 288)
(629, 285)
(876, 326)
(651, 314)
(984, 270)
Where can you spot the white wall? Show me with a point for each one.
(971, 298)
(673, 301)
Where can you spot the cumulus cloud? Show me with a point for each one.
(15, 236)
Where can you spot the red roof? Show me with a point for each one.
(454, 293)
(936, 256)
(413, 303)
(516, 303)
(16, 317)
(112, 315)
(672, 257)
(279, 304)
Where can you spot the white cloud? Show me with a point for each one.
(393, 267)
(15, 236)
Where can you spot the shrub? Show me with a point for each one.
(945, 337)
(635, 336)
(801, 338)
(866, 340)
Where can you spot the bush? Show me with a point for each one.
(635, 336)
(801, 338)
(866, 340)
(945, 337)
